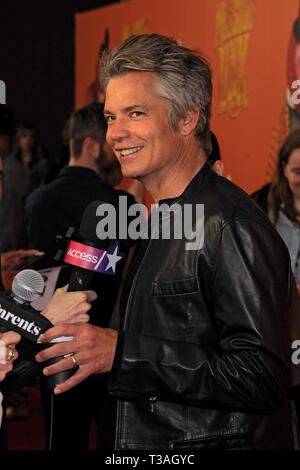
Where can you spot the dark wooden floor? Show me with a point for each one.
(29, 434)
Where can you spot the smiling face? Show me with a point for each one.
(138, 128)
(292, 172)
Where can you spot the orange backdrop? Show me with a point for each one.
(246, 42)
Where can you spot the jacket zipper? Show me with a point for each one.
(152, 404)
(134, 284)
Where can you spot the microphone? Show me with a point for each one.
(27, 286)
(88, 255)
(16, 312)
(18, 315)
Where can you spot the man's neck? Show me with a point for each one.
(80, 162)
(173, 181)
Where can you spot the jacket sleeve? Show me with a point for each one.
(247, 367)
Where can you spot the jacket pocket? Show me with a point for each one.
(175, 307)
(228, 442)
(177, 287)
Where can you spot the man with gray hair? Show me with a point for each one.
(201, 359)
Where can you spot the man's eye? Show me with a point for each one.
(109, 119)
(136, 114)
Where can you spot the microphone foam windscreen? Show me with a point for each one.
(28, 285)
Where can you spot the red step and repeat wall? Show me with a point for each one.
(253, 50)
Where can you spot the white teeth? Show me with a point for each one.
(130, 151)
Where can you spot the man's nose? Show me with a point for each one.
(117, 131)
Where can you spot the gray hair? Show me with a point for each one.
(184, 77)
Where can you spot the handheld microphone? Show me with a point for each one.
(91, 254)
(88, 255)
(15, 311)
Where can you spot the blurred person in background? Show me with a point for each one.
(29, 153)
(24, 169)
(64, 154)
(63, 307)
(11, 258)
(281, 199)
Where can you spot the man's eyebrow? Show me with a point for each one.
(131, 108)
(126, 110)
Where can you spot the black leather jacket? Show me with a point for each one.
(202, 359)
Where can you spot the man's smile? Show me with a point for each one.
(128, 151)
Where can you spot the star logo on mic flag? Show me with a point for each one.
(113, 259)
(94, 259)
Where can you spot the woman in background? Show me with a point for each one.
(281, 199)
(24, 170)
(30, 155)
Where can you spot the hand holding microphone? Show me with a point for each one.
(94, 349)
(66, 307)
(69, 307)
(16, 314)
(91, 348)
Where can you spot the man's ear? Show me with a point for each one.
(87, 144)
(91, 146)
(188, 121)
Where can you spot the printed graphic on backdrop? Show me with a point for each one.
(234, 22)
(95, 92)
